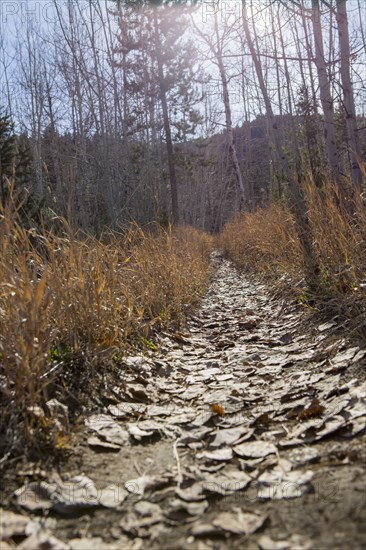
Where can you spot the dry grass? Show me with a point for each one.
(267, 242)
(338, 239)
(70, 303)
(264, 241)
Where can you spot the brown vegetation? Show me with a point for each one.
(78, 302)
(267, 242)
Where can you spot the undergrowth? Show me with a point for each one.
(267, 243)
(72, 305)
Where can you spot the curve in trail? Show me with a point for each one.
(246, 431)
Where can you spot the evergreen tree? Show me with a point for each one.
(16, 165)
(7, 153)
(158, 64)
(311, 130)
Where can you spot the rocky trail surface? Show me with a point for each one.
(245, 431)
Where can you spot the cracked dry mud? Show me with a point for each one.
(245, 431)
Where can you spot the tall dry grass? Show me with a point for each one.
(267, 242)
(339, 239)
(264, 241)
(73, 302)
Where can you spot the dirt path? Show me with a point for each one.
(247, 431)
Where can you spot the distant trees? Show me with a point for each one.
(347, 92)
(274, 132)
(310, 127)
(7, 152)
(15, 162)
(216, 44)
(162, 60)
(326, 97)
(112, 98)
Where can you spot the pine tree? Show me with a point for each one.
(7, 153)
(311, 130)
(157, 61)
(16, 165)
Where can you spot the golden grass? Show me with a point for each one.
(267, 242)
(339, 239)
(263, 241)
(63, 297)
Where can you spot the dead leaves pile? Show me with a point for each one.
(244, 398)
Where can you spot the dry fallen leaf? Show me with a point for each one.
(224, 454)
(279, 484)
(195, 508)
(139, 485)
(239, 522)
(108, 429)
(135, 523)
(192, 493)
(218, 409)
(230, 436)
(13, 525)
(64, 497)
(112, 496)
(255, 449)
(43, 539)
(137, 433)
(200, 529)
(226, 482)
(97, 543)
(304, 455)
(262, 420)
(313, 410)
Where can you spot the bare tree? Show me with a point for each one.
(325, 94)
(347, 89)
(215, 44)
(164, 105)
(278, 156)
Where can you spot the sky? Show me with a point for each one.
(16, 14)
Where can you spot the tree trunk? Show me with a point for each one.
(348, 98)
(168, 135)
(273, 130)
(298, 203)
(229, 125)
(325, 96)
